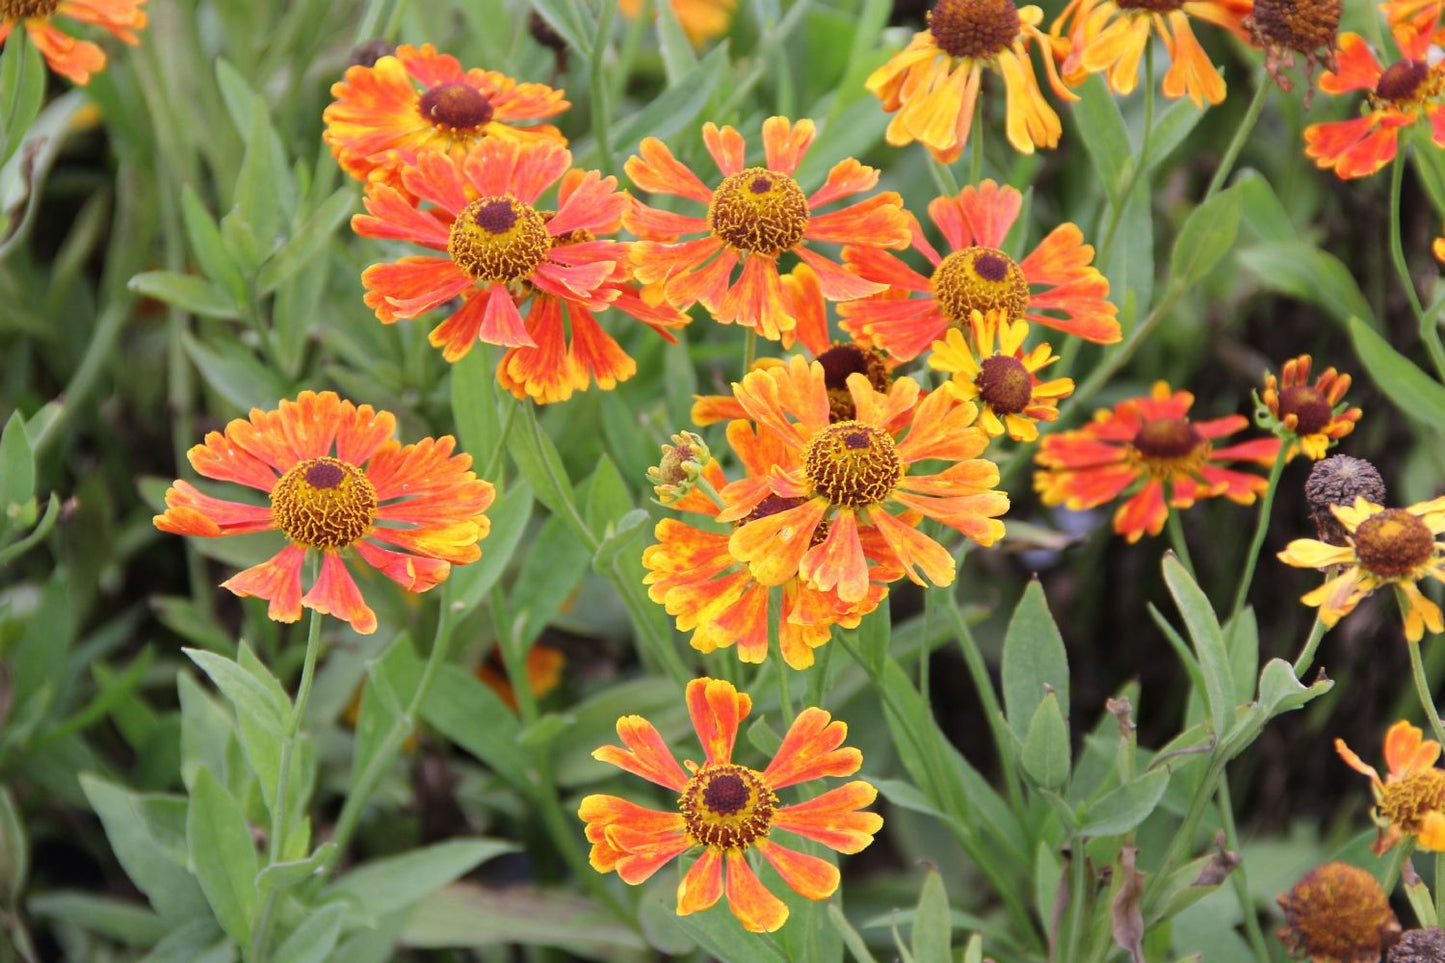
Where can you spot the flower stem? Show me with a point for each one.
(750, 350)
(1307, 654)
(1117, 204)
(1241, 134)
(977, 132)
(1237, 876)
(601, 94)
(1176, 539)
(1261, 528)
(992, 711)
(1429, 331)
(1422, 690)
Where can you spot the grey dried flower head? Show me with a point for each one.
(1339, 480)
(1420, 946)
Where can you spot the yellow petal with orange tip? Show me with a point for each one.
(811, 750)
(757, 909)
(702, 887)
(808, 876)
(1311, 553)
(716, 708)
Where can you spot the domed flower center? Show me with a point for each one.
(19, 9)
(979, 279)
(456, 107)
(1311, 409)
(727, 806)
(324, 503)
(1004, 384)
(1153, 6)
(852, 464)
(1402, 80)
(1405, 802)
(1338, 912)
(1302, 25)
(842, 360)
(1166, 446)
(498, 239)
(1392, 543)
(758, 211)
(980, 29)
(776, 504)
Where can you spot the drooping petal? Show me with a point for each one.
(702, 887)
(277, 580)
(335, 593)
(757, 909)
(716, 708)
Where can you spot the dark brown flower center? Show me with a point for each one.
(1168, 438)
(1392, 543)
(852, 464)
(1153, 6)
(1004, 384)
(324, 503)
(1338, 912)
(1311, 409)
(456, 106)
(842, 360)
(727, 806)
(1401, 80)
(980, 279)
(20, 9)
(980, 29)
(775, 504)
(759, 211)
(498, 239)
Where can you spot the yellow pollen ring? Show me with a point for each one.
(980, 279)
(1404, 802)
(727, 806)
(498, 239)
(20, 9)
(852, 464)
(1393, 543)
(758, 211)
(324, 503)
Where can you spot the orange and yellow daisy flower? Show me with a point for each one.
(1315, 414)
(712, 594)
(1384, 546)
(728, 809)
(847, 474)
(417, 100)
(755, 215)
(1110, 36)
(1410, 800)
(1142, 445)
(932, 85)
(1004, 381)
(500, 249)
(336, 480)
(701, 20)
(1398, 96)
(75, 60)
(978, 276)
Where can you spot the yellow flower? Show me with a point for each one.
(1386, 546)
(1003, 381)
(1410, 799)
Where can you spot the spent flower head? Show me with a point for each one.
(1338, 913)
(1339, 480)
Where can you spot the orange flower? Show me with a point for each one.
(501, 249)
(1004, 381)
(1410, 800)
(1398, 96)
(544, 673)
(418, 100)
(701, 20)
(372, 492)
(1383, 546)
(1315, 415)
(712, 594)
(933, 83)
(728, 809)
(1149, 440)
(845, 475)
(1110, 35)
(73, 59)
(754, 216)
(977, 276)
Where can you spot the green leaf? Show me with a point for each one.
(932, 931)
(677, 107)
(873, 636)
(1131, 262)
(678, 57)
(147, 835)
(541, 465)
(223, 855)
(187, 292)
(265, 193)
(22, 91)
(1208, 639)
(120, 920)
(315, 938)
(1264, 214)
(1411, 390)
(308, 242)
(470, 583)
(1101, 127)
(563, 18)
(1046, 745)
(851, 937)
(282, 876)
(235, 374)
(210, 248)
(468, 713)
(14, 851)
(1034, 659)
(251, 699)
(618, 536)
(17, 468)
(206, 732)
(383, 886)
(556, 561)
(474, 407)
(1170, 128)
(1206, 236)
(1127, 806)
(1303, 271)
(466, 915)
(1280, 691)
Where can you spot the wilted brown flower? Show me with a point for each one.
(1337, 913)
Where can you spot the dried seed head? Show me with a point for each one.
(1338, 912)
(1004, 384)
(1339, 480)
(1420, 946)
(367, 54)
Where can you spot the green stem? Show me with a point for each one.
(1241, 134)
(773, 39)
(1261, 528)
(1119, 203)
(1176, 537)
(1429, 332)
(601, 96)
(1422, 690)
(1307, 654)
(750, 349)
(1237, 876)
(1439, 886)
(1183, 839)
(977, 132)
(1078, 896)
